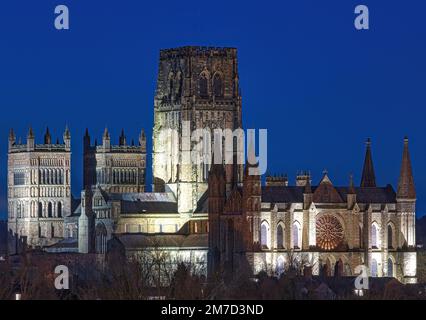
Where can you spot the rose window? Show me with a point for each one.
(329, 232)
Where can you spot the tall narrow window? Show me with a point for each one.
(390, 268)
(390, 237)
(374, 243)
(361, 238)
(59, 210)
(280, 265)
(264, 240)
(374, 268)
(40, 210)
(49, 210)
(280, 236)
(217, 86)
(203, 86)
(296, 239)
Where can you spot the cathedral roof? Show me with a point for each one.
(143, 240)
(294, 194)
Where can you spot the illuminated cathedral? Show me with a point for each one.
(217, 215)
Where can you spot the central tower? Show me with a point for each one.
(197, 88)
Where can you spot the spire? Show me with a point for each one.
(30, 133)
(12, 136)
(86, 134)
(406, 188)
(351, 188)
(67, 134)
(122, 139)
(368, 177)
(142, 138)
(106, 134)
(47, 137)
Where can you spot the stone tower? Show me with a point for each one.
(197, 88)
(39, 189)
(115, 168)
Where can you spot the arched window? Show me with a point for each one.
(280, 266)
(280, 236)
(296, 236)
(101, 238)
(390, 237)
(374, 232)
(390, 268)
(203, 86)
(52, 230)
(40, 210)
(264, 235)
(374, 268)
(217, 86)
(59, 210)
(49, 210)
(361, 237)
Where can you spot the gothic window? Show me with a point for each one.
(203, 86)
(361, 237)
(74, 232)
(374, 233)
(40, 235)
(40, 210)
(280, 236)
(264, 235)
(217, 86)
(296, 236)
(101, 238)
(390, 268)
(374, 268)
(52, 230)
(280, 266)
(49, 210)
(59, 210)
(390, 237)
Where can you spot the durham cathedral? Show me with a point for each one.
(216, 215)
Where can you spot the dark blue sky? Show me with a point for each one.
(319, 86)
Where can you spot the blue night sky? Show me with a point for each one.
(319, 86)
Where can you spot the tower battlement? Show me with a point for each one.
(197, 51)
(48, 145)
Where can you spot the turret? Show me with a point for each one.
(86, 140)
(351, 196)
(307, 194)
(142, 140)
(47, 137)
(67, 139)
(122, 139)
(30, 140)
(106, 140)
(12, 138)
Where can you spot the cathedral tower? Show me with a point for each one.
(115, 168)
(197, 88)
(39, 189)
